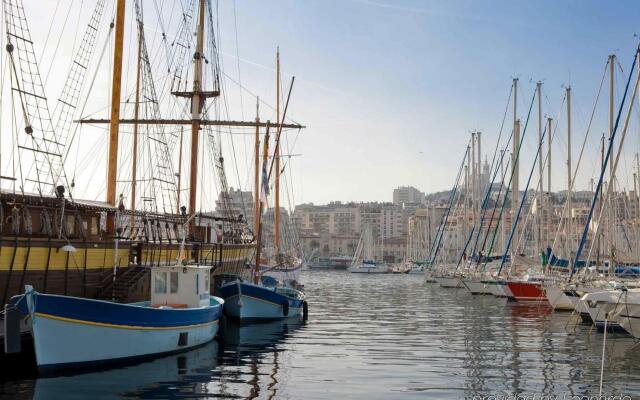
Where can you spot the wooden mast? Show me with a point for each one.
(136, 114)
(265, 156)
(116, 88)
(276, 220)
(180, 167)
(256, 183)
(196, 110)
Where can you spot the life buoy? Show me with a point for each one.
(285, 308)
(305, 310)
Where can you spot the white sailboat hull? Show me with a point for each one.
(474, 286)
(601, 305)
(557, 298)
(449, 282)
(369, 269)
(628, 316)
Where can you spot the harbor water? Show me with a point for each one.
(376, 337)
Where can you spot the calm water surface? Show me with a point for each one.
(376, 337)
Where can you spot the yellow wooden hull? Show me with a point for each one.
(85, 271)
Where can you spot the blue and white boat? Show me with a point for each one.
(266, 301)
(75, 332)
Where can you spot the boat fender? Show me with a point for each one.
(285, 308)
(305, 310)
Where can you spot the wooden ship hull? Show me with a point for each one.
(82, 263)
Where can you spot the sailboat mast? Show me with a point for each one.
(116, 89)
(540, 170)
(501, 221)
(569, 210)
(548, 222)
(196, 110)
(636, 199)
(180, 167)
(479, 173)
(472, 164)
(599, 204)
(514, 155)
(465, 210)
(265, 156)
(136, 114)
(635, 181)
(610, 225)
(516, 170)
(276, 219)
(256, 178)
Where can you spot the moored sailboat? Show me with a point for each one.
(365, 260)
(61, 243)
(274, 291)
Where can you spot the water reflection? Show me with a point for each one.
(377, 337)
(161, 378)
(250, 354)
(243, 364)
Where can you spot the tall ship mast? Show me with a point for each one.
(64, 230)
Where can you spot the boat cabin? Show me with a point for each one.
(180, 286)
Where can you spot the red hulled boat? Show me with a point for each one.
(529, 289)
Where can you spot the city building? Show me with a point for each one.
(236, 202)
(407, 194)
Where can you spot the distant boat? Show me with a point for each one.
(416, 269)
(449, 281)
(340, 262)
(475, 284)
(364, 261)
(321, 263)
(71, 332)
(335, 262)
(529, 288)
(369, 267)
(604, 305)
(557, 296)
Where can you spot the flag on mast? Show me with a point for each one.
(264, 192)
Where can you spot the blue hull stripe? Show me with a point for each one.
(106, 312)
(120, 326)
(231, 289)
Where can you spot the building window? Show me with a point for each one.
(160, 283)
(206, 282)
(174, 282)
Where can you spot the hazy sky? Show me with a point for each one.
(389, 90)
